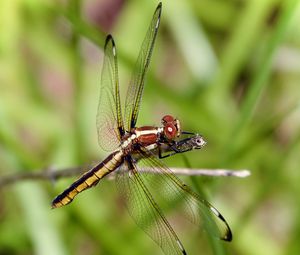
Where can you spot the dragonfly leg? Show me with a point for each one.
(172, 146)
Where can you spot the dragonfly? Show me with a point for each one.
(135, 148)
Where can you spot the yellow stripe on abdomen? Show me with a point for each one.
(89, 179)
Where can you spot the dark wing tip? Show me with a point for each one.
(157, 15)
(109, 39)
(228, 237)
(158, 9)
(228, 234)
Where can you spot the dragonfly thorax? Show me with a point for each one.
(146, 136)
(128, 143)
(150, 136)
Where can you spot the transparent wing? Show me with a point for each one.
(144, 210)
(109, 118)
(136, 86)
(169, 190)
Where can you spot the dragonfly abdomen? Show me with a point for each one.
(89, 179)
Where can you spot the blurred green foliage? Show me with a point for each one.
(227, 69)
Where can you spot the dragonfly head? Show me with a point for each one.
(171, 127)
(197, 141)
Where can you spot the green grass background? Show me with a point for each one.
(229, 70)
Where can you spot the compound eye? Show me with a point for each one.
(170, 131)
(167, 119)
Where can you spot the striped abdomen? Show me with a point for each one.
(89, 179)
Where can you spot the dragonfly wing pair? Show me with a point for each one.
(109, 117)
(146, 192)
